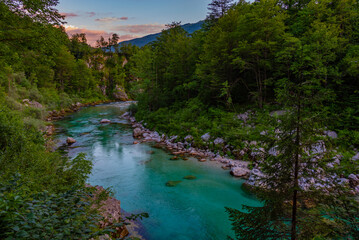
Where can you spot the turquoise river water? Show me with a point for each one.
(137, 173)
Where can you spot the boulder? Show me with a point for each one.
(120, 94)
(70, 140)
(105, 121)
(26, 101)
(243, 116)
(255, 178)
(137, 132)
(355, 157)
(50, 130)
(273, 151)
(34, 104)
(240, 172)
(356, 190)
(188, 138)
(342, 181)
(253, 143)
(331, 134)
(318, 147)
(172, 138)
(218, 141)
(258, 152)
(206, 137)
(337, 159)
(190, 177)
(353, 180)
(172, 183)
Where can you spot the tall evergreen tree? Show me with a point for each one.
(217, 8)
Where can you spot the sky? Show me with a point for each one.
(128, 18)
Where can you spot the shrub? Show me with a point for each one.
(132, 109)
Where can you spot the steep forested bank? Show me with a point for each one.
(43, 193)
(274, 83)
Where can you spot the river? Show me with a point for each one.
(138, 173)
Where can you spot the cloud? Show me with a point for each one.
(90, 14)
(111, 19)
(140, 28)
(93, 35)
(68, 15)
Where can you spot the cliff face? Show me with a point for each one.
(120, 94)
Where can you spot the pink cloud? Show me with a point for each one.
(91, 35)
(111, 19)
(140, 28)
(68, 15)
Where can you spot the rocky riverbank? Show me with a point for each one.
(238, 168)
(246, 169)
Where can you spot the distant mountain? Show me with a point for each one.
(140, 42)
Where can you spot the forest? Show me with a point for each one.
(263, 76)
(274, 83)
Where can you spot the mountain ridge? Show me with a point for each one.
(142, 41)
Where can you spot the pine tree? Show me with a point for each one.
(217, 8)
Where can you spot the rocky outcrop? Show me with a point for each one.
(70, 140)
(240, 172)
(110, 210)
(105, 121)
(331, 134)
(188, 138)
(353, 180)
(206, 137)
(137, 133)
(120, 94)
(356, 157)
(256, 178)
(50, 130)
(34, 104)
(218, 141)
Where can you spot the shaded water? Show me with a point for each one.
(194, 209)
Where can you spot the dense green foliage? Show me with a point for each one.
(42, 193)
(241, 60)
(297, 56)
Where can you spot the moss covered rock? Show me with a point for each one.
(172, 183)
(190, 177)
